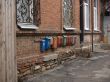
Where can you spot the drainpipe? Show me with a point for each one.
(92, 23)
(81, 22)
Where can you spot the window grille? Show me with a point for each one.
(25, 11)
(67, 13)
(28, 11)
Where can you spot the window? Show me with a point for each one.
(95, 15)
(107, 10)
(86, 15)
(68, 14)
(28, 13)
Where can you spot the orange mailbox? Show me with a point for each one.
(54, 45)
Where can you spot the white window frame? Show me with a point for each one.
(86, 17)
(96, 28)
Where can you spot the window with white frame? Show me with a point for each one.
(28, 13)
(86, 15)
(96, 15)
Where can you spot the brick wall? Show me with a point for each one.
(51, 12)
(76, 14)
(51, 21)
(51, 15)
(88, 38)
(28, 52)
(97, 35)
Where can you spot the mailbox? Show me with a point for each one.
(47, 43)
(68, 40)
(42, 45)
(71, 39)
(64, 41)
(54, 45)
(59, 41)
(74, 40)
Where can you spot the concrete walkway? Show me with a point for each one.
(94, 69)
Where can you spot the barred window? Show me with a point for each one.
(68, 14)
(28, 13)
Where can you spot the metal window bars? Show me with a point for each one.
(67, 13)
(24, 11)
(28, 11)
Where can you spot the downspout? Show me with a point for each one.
(92, 23)
(81, 22)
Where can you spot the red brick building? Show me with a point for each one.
(54, 18)
(93, 21)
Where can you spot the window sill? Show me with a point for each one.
(27, 26)
(94, 32)
(87, 30)
(97, 31)
(69, 29)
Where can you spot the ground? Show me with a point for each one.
(94, 69)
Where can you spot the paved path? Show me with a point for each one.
(95, 69)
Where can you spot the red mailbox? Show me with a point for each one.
(68, 40)
(59, 41)
(71, 38)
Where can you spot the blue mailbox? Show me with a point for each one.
(42, 45)
(47, 43)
